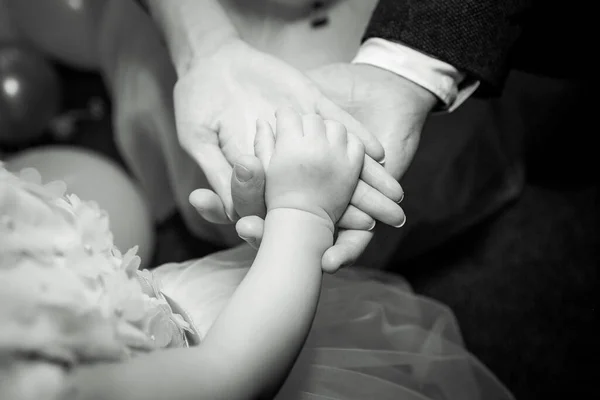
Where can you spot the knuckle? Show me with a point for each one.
(312, 117)
(336, 126)
(360, 147)
(356, 144)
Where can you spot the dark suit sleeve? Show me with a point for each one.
(475, 36)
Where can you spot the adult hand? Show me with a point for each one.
(390, 106)
(218, 99)
(394, 109)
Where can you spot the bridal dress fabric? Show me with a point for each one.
(372, 337)
(68, 297)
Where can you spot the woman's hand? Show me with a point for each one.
(219, 97)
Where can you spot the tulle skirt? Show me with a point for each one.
(372, 337)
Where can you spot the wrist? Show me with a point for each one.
(307, 228)
(200, 47)
(422, 98)
(438, 77)
(297, 205)
(193, 29)
(417, 97)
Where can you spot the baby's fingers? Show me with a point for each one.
(264, 143)
(329, 110)
(336, 133)
(289, 124)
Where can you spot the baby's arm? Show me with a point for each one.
(250, 348)
(258, 336)
(254, 342)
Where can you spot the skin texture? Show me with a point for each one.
(391, 106)
(224, 85)
(275, 304)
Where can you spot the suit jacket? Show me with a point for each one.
(485, 38)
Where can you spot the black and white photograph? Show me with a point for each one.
(298, 200)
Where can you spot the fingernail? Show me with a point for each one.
(246, 239)
(401, 198)
(373, 225)
(233, 216)
(242, 174)
(346, 264)
(249, 241)
(402, 223)
(382, 161)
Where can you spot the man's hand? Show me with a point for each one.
(391, 107)
(219, 98)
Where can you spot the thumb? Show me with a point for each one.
(250, 229)
(248, 187)
(218, 172)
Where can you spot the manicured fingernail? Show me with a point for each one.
(233, 216)
(373, 225)
(250, 242)
(246, 239)
(402, 223)
(401, 198)
(242, 174)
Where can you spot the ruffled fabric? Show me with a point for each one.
(372, 337)
(69, 297)
(67, 294)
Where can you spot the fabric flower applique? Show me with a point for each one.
(60, 251)
(167, 328)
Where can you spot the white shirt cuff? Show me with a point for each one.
(443, 80)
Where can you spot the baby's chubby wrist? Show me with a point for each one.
(307, 225)
(298, 214)
(299, 204)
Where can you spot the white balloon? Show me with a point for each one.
(92, 176)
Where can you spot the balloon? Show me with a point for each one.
(29, 94)
(92, 176)
(64, 29)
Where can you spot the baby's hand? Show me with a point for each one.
(315, 166)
